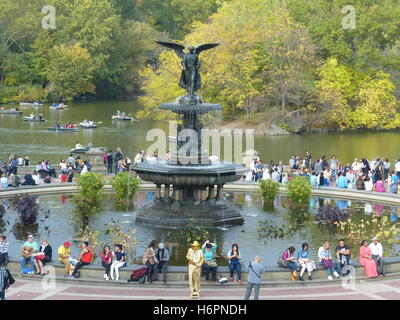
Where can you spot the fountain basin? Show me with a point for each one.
(214, 174)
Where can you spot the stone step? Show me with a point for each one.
(184, 284)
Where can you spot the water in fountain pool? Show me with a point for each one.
(60, 226)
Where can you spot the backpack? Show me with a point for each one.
(138, 275)
(8, 279)
(17, 181)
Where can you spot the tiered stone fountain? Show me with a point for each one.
(188, 185)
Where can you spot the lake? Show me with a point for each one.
(34, 140)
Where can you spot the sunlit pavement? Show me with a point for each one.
(33, 290)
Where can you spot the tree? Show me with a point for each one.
(70, 71)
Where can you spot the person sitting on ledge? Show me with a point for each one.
(28, 181)
(70, 174)
(44, 255)
(325, 258)
(163, 256)
(343, 258)
(303, 258)
(85, 257)
(28, 249)
(64, 253)
(234, 263)
(35, 178)
(289, 261)
(367, 261)
(120, 262)
(209, 260)
(4, 182)
(149, 260)
(106, 260)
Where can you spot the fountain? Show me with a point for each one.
(193, 186)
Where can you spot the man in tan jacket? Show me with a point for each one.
(195, 258)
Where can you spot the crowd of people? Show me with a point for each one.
(337, 263)
(375, 175)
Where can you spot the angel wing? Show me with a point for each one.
(178, 48)
(205, 46)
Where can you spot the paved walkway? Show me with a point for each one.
(33, 290)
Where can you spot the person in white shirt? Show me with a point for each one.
(368, 184)
(249, 176)
(356, 167)
(36, 178)
(20, 161)
(266, 174)
(84, 169)
(78, 145)
(397, 167)
(138, 157)
(377, 254)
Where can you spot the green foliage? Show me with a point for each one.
(87, 234)
(193, 232)
(125, 185)
(103, 36)
(299, 191)
(90, 186)
(125, 238)
(380, 227)
(70, 71)
(269, 189)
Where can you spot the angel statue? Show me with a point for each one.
(190, 79)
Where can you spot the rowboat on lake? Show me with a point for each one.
(10, 112)
(35, 119)
(61, 129)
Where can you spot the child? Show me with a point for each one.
(63, 177)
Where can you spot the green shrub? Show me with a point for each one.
(90, 186)
(268, 190)
(299, 190)
(125, 185)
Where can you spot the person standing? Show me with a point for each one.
(333, 165)
(5, 281)
(118, 155)
(162, 256)
(255, 270)
(109, 161)
(4, 247)
(377, 254)
(149, 260)
(307, 160)
(195, 261)
(393, 181)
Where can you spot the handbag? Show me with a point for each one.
(327, 264)
(282, 263)
(212, 263)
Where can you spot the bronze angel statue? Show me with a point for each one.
(190, 79)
